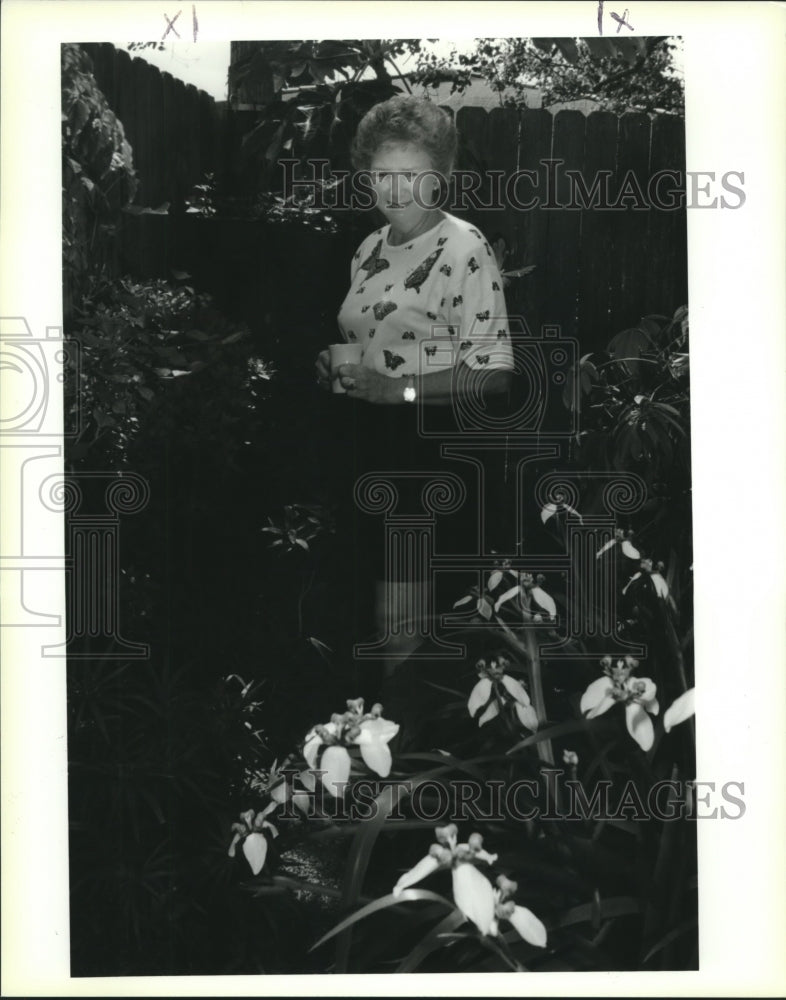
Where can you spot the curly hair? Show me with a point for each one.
(408, 119)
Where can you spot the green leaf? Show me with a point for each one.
(550, 734)
(432, 941)
(678, 931)
(407, 896)
(617, 906)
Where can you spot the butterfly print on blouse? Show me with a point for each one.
(408, 335)
(451, 331)
(494, 286)
(501, 335)
(442, 240)
(422, 271)
(458, 300)
(351, 335)
(360, 290)
(441, 303)
(372, 331)
(466, 345)
(431, 315)
(476, 233)
(446, 269)
(431, 350)
(473, 265)
(482, 359)
(373, 264)
(392, 360)
(388, 287)
(409, 246)
(383, 309)
(483, 316)
(365, 308)
(487, 249)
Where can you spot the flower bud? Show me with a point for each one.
(475, 841)
(606, 662)
(445, 834)
(376, 710)
(355, 706)
(506, 886)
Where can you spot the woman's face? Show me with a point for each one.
(404, 181)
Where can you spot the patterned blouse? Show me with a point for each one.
(429, 304)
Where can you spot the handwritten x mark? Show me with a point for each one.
(622, 20)
(171, 25)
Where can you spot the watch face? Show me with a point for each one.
(409, 394)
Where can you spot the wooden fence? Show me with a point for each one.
(175, 130)
(597, 270)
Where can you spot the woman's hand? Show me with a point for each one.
(365, 383)
(323, 369)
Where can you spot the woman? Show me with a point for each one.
(427, 306)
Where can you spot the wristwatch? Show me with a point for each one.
(410, 393)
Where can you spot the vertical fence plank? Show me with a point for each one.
(531, 223)
(597, 251)
(472, 162)
(564, 225)
(632, 222)
(666, 279)
(502, 141)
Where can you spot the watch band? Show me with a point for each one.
(410, 392)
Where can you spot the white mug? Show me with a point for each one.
(343, 354)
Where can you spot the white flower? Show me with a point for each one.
(368, 731)
(529, 927)
(679, 710)
(496, 691)
(636, 694)
(473, 894)
(250, 831)
(625, 545)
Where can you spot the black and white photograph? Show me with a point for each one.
(394, 571)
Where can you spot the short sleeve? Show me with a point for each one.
(477, 311)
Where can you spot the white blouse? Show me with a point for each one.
(429, 304)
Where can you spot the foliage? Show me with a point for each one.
(304, 208)
(98, 169)
(634, 403)
(620, 74)
(145, 348)
(604, 886)
(314, 93)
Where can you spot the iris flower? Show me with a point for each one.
(529, 927)
(366, 730)
(275, 784)
(496, 691)
(251, 832)
(637, 694)
(473, 894)
(623, 540)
